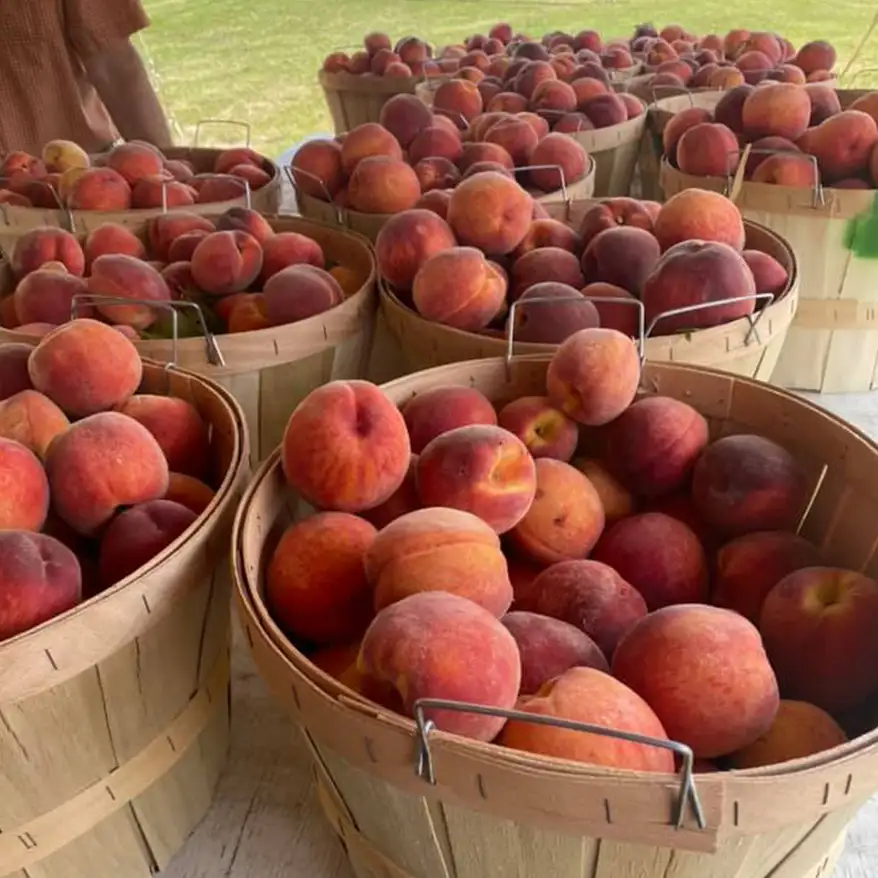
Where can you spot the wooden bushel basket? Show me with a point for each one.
(269, 371)
(114, 717)
(738, 347)
(369, 224)
(496, 812)
(15, 221)
(832, 345)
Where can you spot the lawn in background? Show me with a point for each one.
(256, 61)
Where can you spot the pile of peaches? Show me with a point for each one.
(243, 275)
(592, 554)
(477, 57)
(95, 478)
(413, 156)
(678, 59)
(465, 268)
(799, 136)
(131, 175)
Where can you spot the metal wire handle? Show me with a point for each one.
(565, 195)
(818, 196)
(688, 794)
(213, 352)
(290, 172)
(201, 123)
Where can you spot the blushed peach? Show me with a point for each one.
(118, 276)
(380, 184)
(611, 212)
(134, 161)
(100, 189)
(768, 274)
(548, 233)
(46, 296)
(572, 123)
(409, 646)
(439, 409)
(474, 153)
(402, 501)
(458, 100)
(164, 229)
(543, 265)
(549, 312)
(112, 238)
(558, 161)
(815, 55)
(284, 249)
(506, 102)
(783, 111)
(405, 116)
(189, 492)
(436, 173)
(702, 215)
(41, 245)
(24, 490)
(226, 262)
(297, 293)
(708, 150)
(545, 431)
(13, 369)
(247, 220)
(182, 248)
(824, 102)
(730, 107)
(679, 124)
(604, 111)
(366, 141)
(624, 256)
(31, 419)
(406, 241)
(842, 144)
(161, 191)
(622, 317)
(317, 169)
(617, 500)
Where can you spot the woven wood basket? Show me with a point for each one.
(832, 345)
(369, 224)
(491, 811)
(269, 371)
(114, 717)
(735, 347)
(15, 221)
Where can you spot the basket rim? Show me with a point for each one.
(789, 296)
(224, 495)
(738, 781)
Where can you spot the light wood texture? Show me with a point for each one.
(783, 821)
(114, 716)
(734, 347)
(15, 221)
(832, 345)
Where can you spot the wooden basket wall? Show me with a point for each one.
(15, 221)
(832, 345)
(114, 717)
(500, 812)
(369, 224)
(733, 347)
(269, 371)
(625, 74)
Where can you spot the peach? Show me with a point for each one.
(439, 549)
(376, 41)
(730, 107)
(405, 499)
(13, 369)
(189, 492)
(543, 265)
(249, 314)
(161, 191)
(178, 428)
(538, 123)
(99, 189)
(624, 256)
(406, 241)
(112, 238)
(548, 233)
(594, 375)
(634, 107)
(704, 672)
(766, 147)
(315, 582)
(565, 519)
(380, 184)
(180, 169)
(404, 116)
(164, 229)
(44, 244)
(31, 419)
(588, 695)
(284, 249)
(24, 490)
(799, 730)
(818, 625)
(100, 463)
(842, 144)
(768, 274)
(549, 647)
(459, 100)
(545, 431)
(824, 102)
(605, 110)
(611, 212)
(482, 469)
(782, 111)
(85, 367)
(178, 277)
(754, 65)
(41, 579)
(532, 75)
(137, 535)
(590, 596)
(182, 248)
(516, 136)
(702, 215)
(245, 219)
(558, 161)
(506, 102)
(553, 96)
(708, 150)
(476, 153)
(440, 409)
(616, 500)
(549, 312)
(410, 646)
(622, 317)
(226, 262)
(749, 567)
(134, 161)
(816, 55)
(345, 447)
(381, 60)
(438, 171)
(572, 123)
(653, 445)
(679, 124)
(366, 141)
(745, 483)
(867, 103)
(788, 73)
(317, 169)
(459, 287)
(14, 199)
(297, 293)
(62, 155)
(46, 296)
(350, 280)
(119, 276)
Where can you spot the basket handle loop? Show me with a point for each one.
(213, 352)
(245, 185)
(672, 91)
(688, 794)
(565, 193)
(202, 122)
(767, 298)
(66, 214)
(291, 176)
(736, 181)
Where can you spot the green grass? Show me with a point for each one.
(256, 61)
